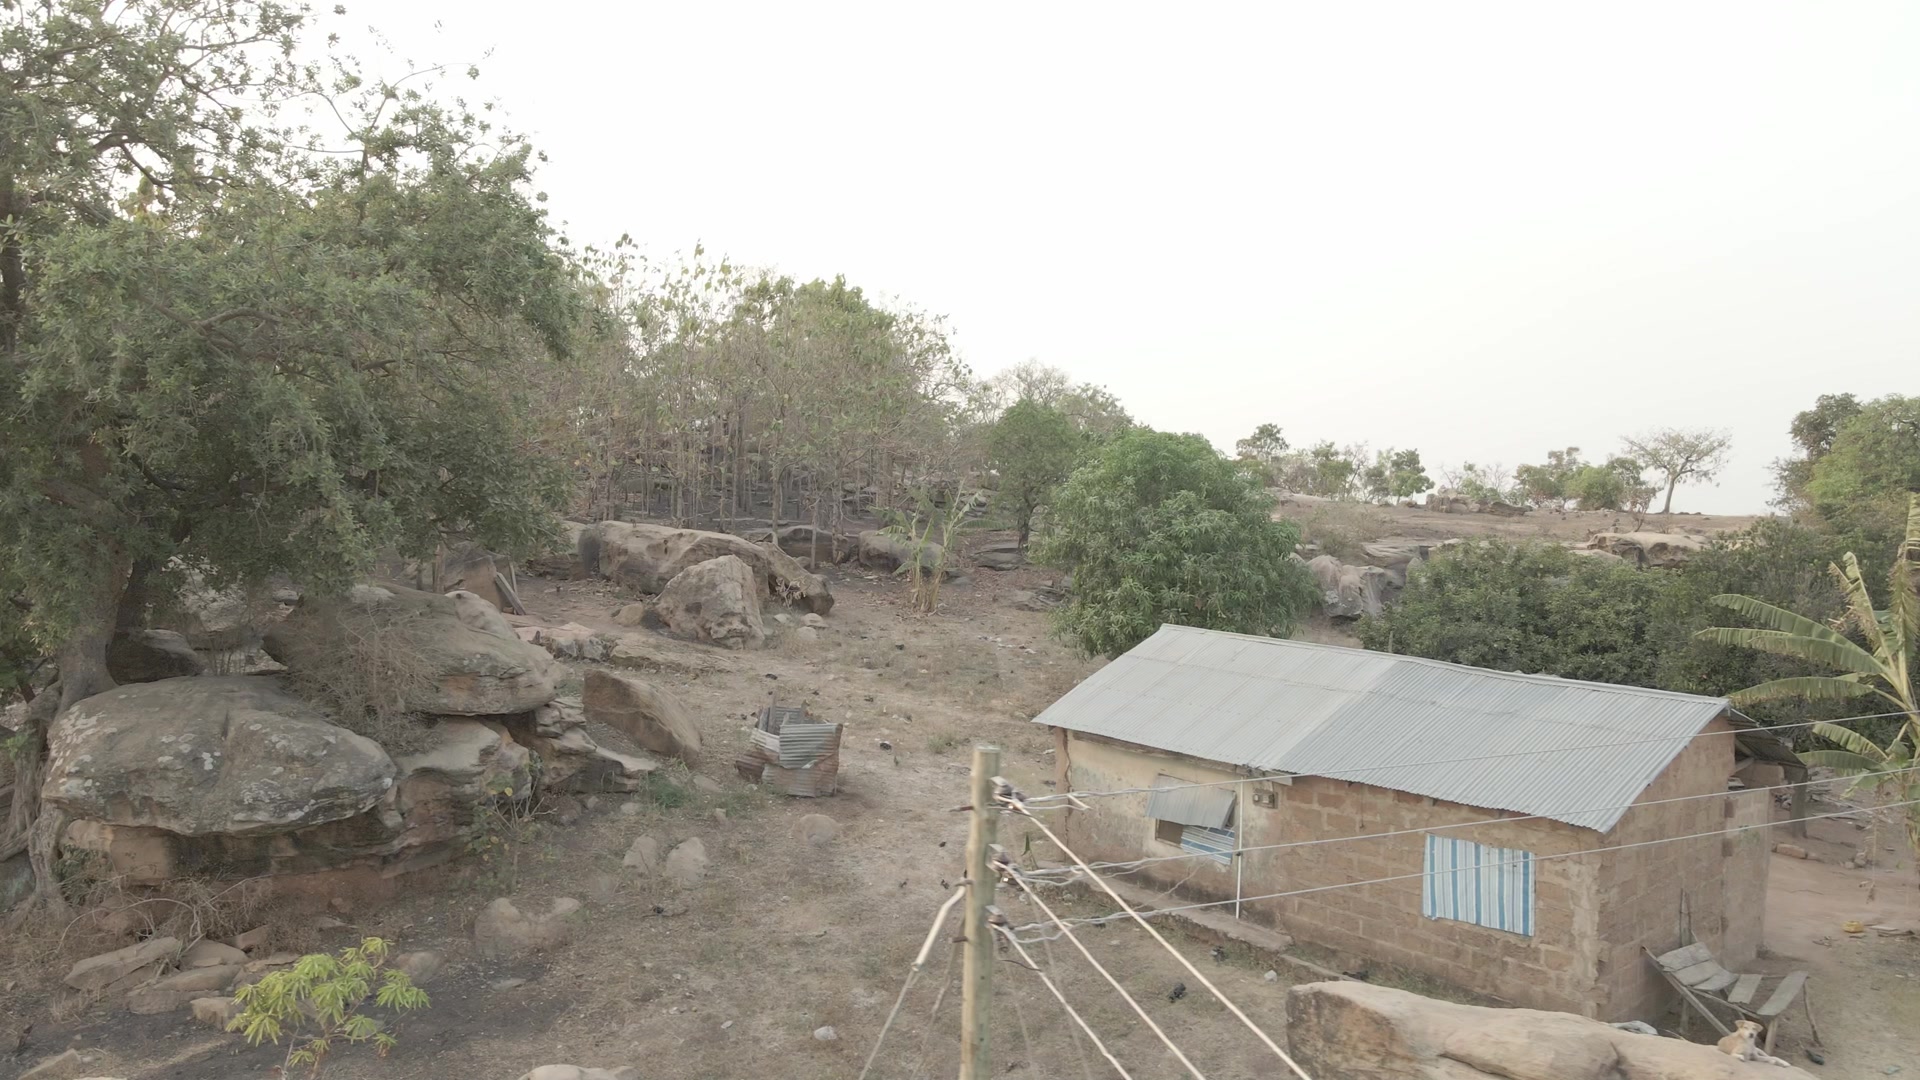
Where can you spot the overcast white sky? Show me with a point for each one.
(1479, 229)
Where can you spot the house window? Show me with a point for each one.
(1199, 819)
(1474, 883)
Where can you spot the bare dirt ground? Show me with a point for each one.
(731, 978)
(1342, 526)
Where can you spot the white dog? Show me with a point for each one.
(1744, 1044)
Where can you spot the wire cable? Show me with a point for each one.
(1130, 865)
(1177, 954)
(1425, 873)
(913, 972)
(1062, 998)
(1347, 773)
(1067, 932)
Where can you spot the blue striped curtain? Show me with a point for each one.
(1215, 844)
(1474, 883)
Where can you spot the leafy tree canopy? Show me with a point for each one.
(1160, 528)
(1033, 447)
(1395, 474)
(1861, 469)
(1680, 456)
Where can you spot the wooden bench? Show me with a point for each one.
(1700, 978)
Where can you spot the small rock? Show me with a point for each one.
(783, 619)
(211, 954)
(806, 634)
(252, 939)
(215, 1012)
(152, 1001)
(565, 809)
(813, 621)
(279, 959)
(507, 984)
(420, 966)
(725, 1024)
(708, 785)
(686, 864)
(631, 809)
(719, 814)
(324, 923)
(59, 1066)
(1816, 1056)
(575, 1072)
(1791, 851)
(631, 615)
(102, 971)
(826, 1034)
(503, 930)
(816, 829)
(643, 855)
(1271, 976)
(201, 980)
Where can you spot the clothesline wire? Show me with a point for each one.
(1114, 916)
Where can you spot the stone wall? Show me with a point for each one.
(1592, 913)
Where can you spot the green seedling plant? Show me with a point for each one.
(317, 1004)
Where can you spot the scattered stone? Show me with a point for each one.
(503, 930)
(631, 615)
(806, 635)
(1649, 548)
(1791, 851)
(212, 954)
(686, 864)
(102, 971)
(507, 984)
(252, 939)
(816, 829)
(564, 809)
(880, 550)
(571, 760)
(421, 965)
(826, 1034)
(646, 714)
(707, 785)
(1271, 976)
(61, 1066)
(643, 855)
(569, 642)
(201, 980)
(813, 622)
(646, 557)
(274, 960)
(1349, 592)
(575, 1072)
(215, 1012)
(719, 814)
(323, 923)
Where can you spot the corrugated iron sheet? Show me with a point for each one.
(801, 744)
(1321, 710)
(1208, 807)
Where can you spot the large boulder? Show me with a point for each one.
(1358, 1031)
(466, 765)
(804, 542)
(646, 557)
(139, 656)
(460, 655)
(1348, 592)
(717, 601)
(1000, 555)
(1656, 549)
(571, 762)
(646, 714)
(230, 755)
(882, 550)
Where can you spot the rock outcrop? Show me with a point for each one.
(1348, 592)
(716, 601)
(139, 656)
(1357, 1031)
(1654, 549)
(645, 713)
(571, 761)
(880, 550)
(466, 659)
(233, 755)
(646, 557)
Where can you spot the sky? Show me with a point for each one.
(1483, 230)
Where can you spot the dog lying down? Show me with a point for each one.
(1744, 1044)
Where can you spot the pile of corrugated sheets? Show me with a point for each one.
(792, 753)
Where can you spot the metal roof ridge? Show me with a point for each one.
(1478, 672)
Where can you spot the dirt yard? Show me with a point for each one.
(732, 978)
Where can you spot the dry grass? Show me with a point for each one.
(364, 664)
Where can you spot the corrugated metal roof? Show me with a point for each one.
(1323, 710)
(1211, 807)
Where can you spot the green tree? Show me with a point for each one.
(1875, 670)
(1681, 456)
(1546, 485)
(1033, 447)
(1813, 432)
(1265, 445)
(224, 353)
(1859, 484)
(1395, 474)
(1160, 528)
(1616, 485)
(1533, 608)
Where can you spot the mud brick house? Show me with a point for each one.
(1534, 769)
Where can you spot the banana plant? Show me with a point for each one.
(1880, 670)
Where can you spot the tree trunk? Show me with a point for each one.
(1672, 482)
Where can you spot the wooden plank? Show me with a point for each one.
(1718, 982)
(1685, 957)
(1700, 973)
(1691, 999)
(1744, 990)
(1784, 994)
